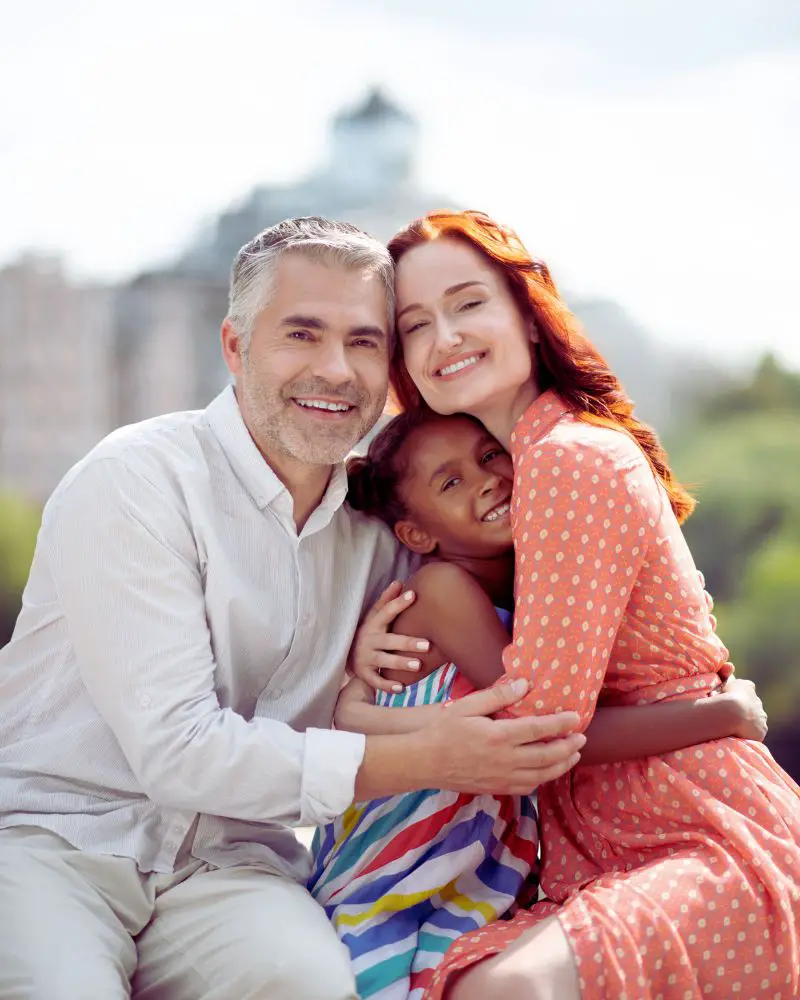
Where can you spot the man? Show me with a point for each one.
(168, 691)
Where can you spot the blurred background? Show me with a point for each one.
(650, 152)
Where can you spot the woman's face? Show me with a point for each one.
(465, 342)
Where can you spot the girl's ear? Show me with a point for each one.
(415, 538)
(533, 333)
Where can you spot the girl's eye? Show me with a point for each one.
(414, 327)
(448, 484)
(492, 454)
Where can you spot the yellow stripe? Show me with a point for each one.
(393, 902)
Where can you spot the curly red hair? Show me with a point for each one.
(566, 359)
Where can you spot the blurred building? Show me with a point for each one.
(368, 179)
(77, 361)
(56, 347)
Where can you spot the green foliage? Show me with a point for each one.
(19, 525)
(742, 460)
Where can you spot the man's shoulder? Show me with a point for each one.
(389, 558)
(156, 449)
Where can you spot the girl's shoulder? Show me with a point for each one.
(437, 576)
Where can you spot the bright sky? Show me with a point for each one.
(649, 151)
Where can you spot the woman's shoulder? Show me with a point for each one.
(576, 444)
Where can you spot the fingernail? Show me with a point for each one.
(397, 688)
(414, 664)
(423, 645)
(579, 739)
(519, 686)
(408, 595)
(574, 759)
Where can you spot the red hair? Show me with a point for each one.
(566, 359)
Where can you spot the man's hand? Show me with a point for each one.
(375, 648)
(464, 750)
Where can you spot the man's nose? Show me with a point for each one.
(332, 363)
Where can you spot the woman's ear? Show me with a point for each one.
(533, 333)
(415, 538)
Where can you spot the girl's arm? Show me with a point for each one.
(357, 712)
(453, 611)
(628, 733)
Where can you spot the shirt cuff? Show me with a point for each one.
(330, 766)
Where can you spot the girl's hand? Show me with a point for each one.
(355, 692)
(375, 648)
(750, 719)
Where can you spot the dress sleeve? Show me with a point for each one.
(584, 514)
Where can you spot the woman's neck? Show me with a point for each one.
(500, 416)
(494, 573)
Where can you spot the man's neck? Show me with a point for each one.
(306, 483)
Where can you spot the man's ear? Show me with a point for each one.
(415, 538)
(231, 348)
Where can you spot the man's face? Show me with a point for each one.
(315, 376)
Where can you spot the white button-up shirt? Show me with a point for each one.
(180, 648)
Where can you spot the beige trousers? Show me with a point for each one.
(79, 926)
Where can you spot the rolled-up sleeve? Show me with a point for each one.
(126, 569)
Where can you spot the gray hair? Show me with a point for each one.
(338, 243)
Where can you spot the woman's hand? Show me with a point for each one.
(750, 719)
(375, 648)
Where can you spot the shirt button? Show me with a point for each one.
(145, 701)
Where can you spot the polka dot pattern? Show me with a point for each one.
(676, 876)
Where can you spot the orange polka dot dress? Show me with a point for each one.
(674, 877)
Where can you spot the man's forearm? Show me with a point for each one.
(393, 765)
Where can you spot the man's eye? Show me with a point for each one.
(364, 342)
(300, 335)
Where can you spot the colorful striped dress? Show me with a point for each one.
(402, 877)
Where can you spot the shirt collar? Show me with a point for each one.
(545, 411)
(252, 469)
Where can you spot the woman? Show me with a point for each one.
(676, 876)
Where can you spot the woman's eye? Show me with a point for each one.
(414, 327)
(470, 305)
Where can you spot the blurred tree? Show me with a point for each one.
(19, 525)
(771, 388)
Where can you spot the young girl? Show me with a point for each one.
(402, 877)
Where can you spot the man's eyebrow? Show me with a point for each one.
(314, 323)
(449, 291)
(309, 322)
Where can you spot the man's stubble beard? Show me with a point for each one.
(272, 424)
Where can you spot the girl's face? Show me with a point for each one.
(465, 342)
(458, 490)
